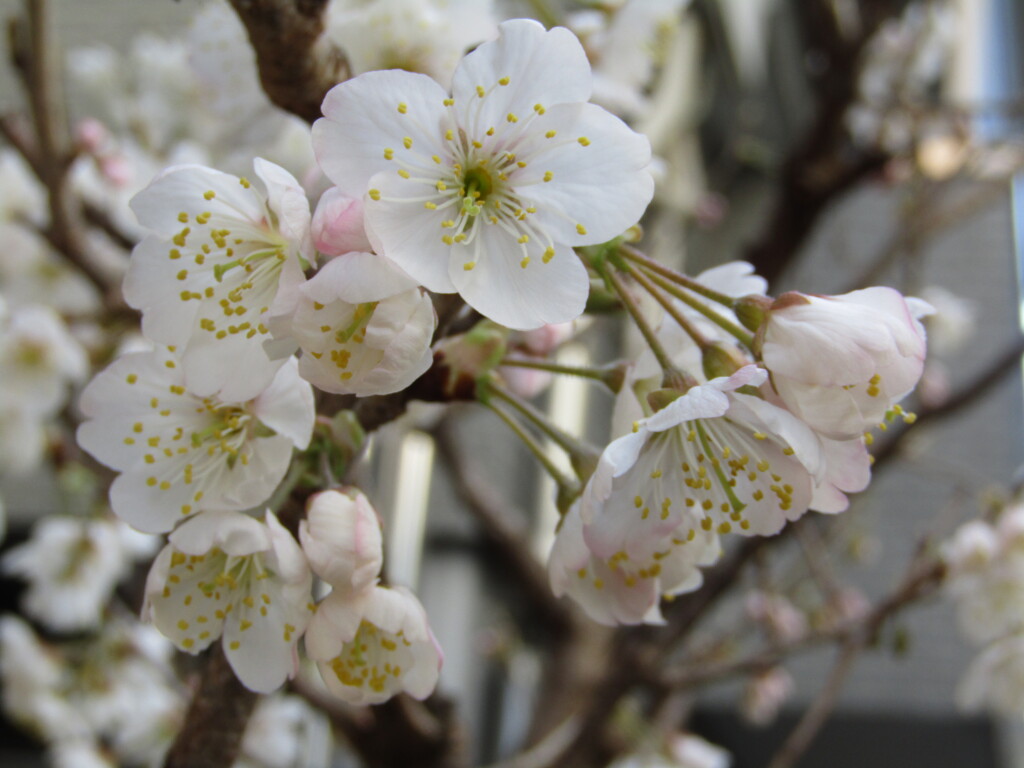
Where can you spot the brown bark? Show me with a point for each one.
(297, 63)
(216, 718)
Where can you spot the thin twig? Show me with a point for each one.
(814, 718)
(983, 382)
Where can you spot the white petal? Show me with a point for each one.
(233, 532)
(234, 368)
(357, 277)
(286, 406)
(362, 118)
(165, 317)
(335, 623)
(183, 188)
(545, 67)
(516, 297)
(286, 198)
(604, 186)
(407, 233)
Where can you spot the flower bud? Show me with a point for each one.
(720, 359)
(752, 310)
(337, 226)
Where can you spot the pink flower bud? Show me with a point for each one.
(338, 224)
(116, 169)
(91, 134)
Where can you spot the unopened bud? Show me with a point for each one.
(337, 225)
(752, 310)
(720, 359)
(660, 398)
(471, 356)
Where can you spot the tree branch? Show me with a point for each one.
(297, 63)
(216, 718)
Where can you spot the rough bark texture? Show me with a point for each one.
(215, 720)
(297, 64)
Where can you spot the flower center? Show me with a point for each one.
(477, 184)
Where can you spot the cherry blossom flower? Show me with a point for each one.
(486, 191)
(283, 732)
(840, 362)
(428, 36)
(986, 576)
(621, 589)
(363, 327)
(72, 566)
(220, 251)
(390, 651)
(38, 360)
(33, 679)
(224, 573)
(995, 679)
(712, 459)
(370, 642)
(628, 50)
(179, 453)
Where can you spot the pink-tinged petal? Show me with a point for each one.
(184, 188)
(847, 470)
(601, 591)
(500, 288)
(286, 406)
(598, 185)
(369, 113)
(407, 233)
(338, 224)
(544, 67)
(357, 277)
(234, 533)
(342, 539)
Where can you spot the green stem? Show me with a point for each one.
(562, 439)
(667, 366)
(725, 324)
(536, 449)
(595, 374)
(284, 490)
(545, 13)
(691, 330)
(687, 282)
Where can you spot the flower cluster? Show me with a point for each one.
(484, 190)
(282, 290)
(985, 579)
(734, 439)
